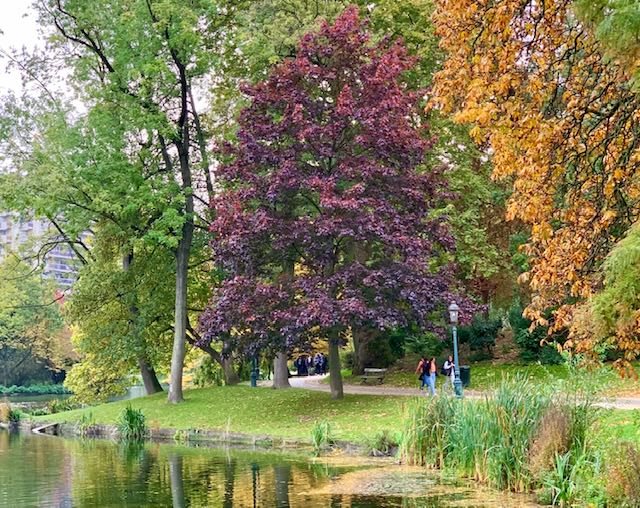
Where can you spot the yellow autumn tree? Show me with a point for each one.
(561, 122)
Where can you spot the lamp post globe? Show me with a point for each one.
(454, 311)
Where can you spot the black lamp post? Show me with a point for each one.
(453, 318)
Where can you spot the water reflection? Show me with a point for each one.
(54, 472)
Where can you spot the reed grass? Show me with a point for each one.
(131, 424)
(321, 436)
(523, 438)
(486, 440)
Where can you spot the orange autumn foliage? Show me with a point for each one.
(562, 124)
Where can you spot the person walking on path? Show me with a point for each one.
(433, 372)
(423, 372)
(448, 369)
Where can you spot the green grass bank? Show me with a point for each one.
(487, 376)
(289, 413)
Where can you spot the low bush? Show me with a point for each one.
(33, 390)
(623, 478)
(59, 405)
(131, 424)
(481, 335)
(9, 414)
(208, 373)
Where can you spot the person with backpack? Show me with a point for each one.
(423, 372)
(448, 369)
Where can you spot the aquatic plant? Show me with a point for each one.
(321, 435)
(181, 436)
(423, 439)
(84, 426)
(383, 443)
(131, 424)
(9, 414)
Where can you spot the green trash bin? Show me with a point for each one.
(465, 375)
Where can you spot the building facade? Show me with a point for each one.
(38, 241)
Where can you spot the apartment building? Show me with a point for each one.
(27, 237)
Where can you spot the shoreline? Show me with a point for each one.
(192, 437)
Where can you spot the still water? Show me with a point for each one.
(47, 471)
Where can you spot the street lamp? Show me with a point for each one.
(453, 318)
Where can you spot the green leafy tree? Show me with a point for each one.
(30, 321)
(615, 23)
(139, 68)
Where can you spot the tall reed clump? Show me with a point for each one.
(424, 441)
(131, 424)
(9, 414)
(623, 478)
(486, 440)
(489, 441)
(321, 436)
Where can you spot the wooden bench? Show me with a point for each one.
(373, 374)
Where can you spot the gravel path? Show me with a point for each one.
(315, 383)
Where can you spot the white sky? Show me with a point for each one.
(18, 29)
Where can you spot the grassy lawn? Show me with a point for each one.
(618, 425)
(485, 376)
(283, 413)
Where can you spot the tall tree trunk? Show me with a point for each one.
(147, 372)
(182, 143)
(280, 371)
(359, 252)
(335, 374)
(230, 375)
(359, 349)
(149, 377)
(180, 330)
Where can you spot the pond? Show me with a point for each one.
(49, 471)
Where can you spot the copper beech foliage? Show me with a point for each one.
(561, 122)
(326, 220)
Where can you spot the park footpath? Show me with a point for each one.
(316, 383)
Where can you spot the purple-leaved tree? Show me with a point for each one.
(326, 222)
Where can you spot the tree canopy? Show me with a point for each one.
(326, 221)
(560, 119)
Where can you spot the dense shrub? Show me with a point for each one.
(481, 334)
(421, 343)
(59, 405)
(535, 345)
(33, 390)
(208, 373)
(9, 414)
